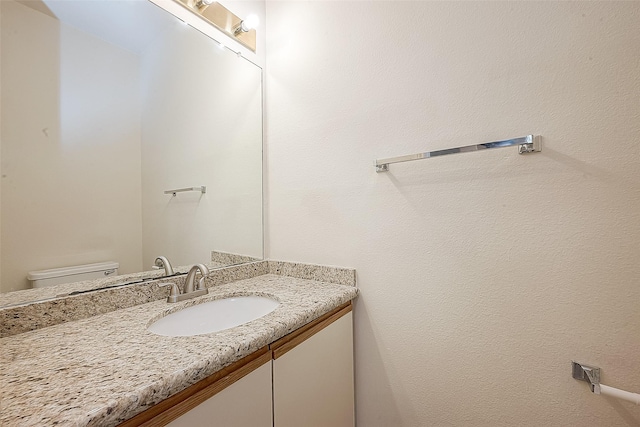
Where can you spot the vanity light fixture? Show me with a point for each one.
(241, 30)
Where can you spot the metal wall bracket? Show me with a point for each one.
(590, 374)
(535, 146)
(382, 168)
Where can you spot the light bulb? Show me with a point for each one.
(203, 3)
(250, 22)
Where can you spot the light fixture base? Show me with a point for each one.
(223, 19)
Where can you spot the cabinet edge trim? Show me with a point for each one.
(288, 342)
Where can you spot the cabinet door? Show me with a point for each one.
(245, 403)
(313, 382)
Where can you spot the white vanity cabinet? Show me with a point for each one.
(303, 379)
(247, 402)
(236, 396)
(313, 381)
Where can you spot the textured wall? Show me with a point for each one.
(482, 274)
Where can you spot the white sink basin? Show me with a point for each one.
(213, 316)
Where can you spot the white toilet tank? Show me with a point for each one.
(76, 273)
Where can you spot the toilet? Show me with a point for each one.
(76, 273)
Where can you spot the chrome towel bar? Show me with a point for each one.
(527, 144)
(202, 189)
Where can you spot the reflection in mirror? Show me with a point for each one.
(107, 105)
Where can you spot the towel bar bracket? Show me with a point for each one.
(535, 146)
(590, 374)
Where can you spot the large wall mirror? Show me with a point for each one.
(105, 106)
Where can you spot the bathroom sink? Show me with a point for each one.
(213, 316)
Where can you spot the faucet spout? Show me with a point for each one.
(189, 282)
(164, 262)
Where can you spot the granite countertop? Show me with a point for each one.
(105, 369)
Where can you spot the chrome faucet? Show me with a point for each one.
(164, 262)
(191, 289)
(189, 282)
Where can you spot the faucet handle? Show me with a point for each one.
(204, 272)
(173, 289)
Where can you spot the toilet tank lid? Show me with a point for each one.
(68, 271)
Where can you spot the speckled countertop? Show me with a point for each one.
(105, 369)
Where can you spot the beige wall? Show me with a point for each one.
(1, 107)
(62, 92)
(483, 275)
